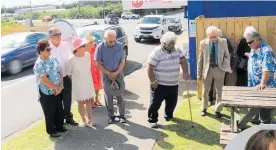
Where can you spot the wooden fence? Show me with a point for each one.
(233, 29)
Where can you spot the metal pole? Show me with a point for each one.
(31, 9)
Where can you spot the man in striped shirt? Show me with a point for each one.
(163, 70)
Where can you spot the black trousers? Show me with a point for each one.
(53, 112)
(167, 93)
(264, 115)
(67, 98)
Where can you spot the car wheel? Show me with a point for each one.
(15, 67)
(133, 17)
(137, 39)
(105, 22)
(125, 50)
(124, 18)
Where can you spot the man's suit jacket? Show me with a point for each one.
(204, 57)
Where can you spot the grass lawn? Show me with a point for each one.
(181, 135)
(35, 138)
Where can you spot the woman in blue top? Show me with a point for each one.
(50, 84)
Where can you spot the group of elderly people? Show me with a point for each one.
(256, 67)
(66, 73)
(58, 65)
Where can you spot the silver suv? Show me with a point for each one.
(129, 15)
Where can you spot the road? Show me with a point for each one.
(20, 107)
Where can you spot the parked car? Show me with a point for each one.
(111, 19)
(47, 19)
(151, 27)
(98, 32)
(18, 50)
(129, 15)
(175, 24)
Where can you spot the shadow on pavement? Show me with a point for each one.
(131, 66)
(198, 133)
(25, 72)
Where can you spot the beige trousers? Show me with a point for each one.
(218, 75)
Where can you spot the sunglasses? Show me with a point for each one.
(48, 49)
(56, 35)
(250, 42)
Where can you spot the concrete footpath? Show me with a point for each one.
(135, 135)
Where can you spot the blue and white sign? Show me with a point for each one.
(192, 28)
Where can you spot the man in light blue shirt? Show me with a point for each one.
(110, 59)
(261, 74)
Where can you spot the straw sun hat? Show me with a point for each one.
(78, 42)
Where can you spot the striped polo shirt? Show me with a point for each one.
(167, 65)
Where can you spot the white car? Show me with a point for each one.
(151, 27)
(129, 15)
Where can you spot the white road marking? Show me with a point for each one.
(20, 81)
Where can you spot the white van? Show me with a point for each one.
(151, 27)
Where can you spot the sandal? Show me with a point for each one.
(98, 103)
(82, 124)
(91, 124)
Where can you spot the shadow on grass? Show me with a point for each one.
(197, 133)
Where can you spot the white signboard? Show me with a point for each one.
(152, 4)
(192, 28)
(68, 32)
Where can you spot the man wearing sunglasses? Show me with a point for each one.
(62, 51)
(213, 63)
(261, 74)
(110, 59)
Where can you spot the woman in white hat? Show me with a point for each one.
(83, 91)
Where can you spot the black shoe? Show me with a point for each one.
(218, 114)
(54, 135)
(203, 113)
(123, 120)
(63, 130)
(72, 122)
(169, 118)
(111, 121)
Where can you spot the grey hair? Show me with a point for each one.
(248, 31)
(212, 29)
(50, 30)
(168, 37)
(219, 33)
(109, 32)
(255, 36)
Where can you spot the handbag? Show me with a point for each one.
(242, 65)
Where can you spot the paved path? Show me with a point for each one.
(132, 136)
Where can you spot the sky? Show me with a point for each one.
(12, 3)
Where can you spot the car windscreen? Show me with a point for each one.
(171, 20)
(12, 41)
(98, 34)
(151, 20)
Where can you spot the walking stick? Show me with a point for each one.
(187, 89)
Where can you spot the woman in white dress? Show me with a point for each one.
(82, 84)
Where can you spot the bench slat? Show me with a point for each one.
(249, 104)
(241, 88)
(250, 94)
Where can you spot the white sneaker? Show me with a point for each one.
(153, 125)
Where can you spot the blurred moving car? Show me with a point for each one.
(98, 32)
(129, 15)
(18, 50)
(111, 19)
(47, 19)
(175, 24)
(151, 27)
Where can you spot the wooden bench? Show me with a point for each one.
(225, 134)
(246, 97)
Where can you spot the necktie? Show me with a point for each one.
(213, 56)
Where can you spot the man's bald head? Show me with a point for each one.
(110, 37)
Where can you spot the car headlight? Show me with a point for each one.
(137, 29)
